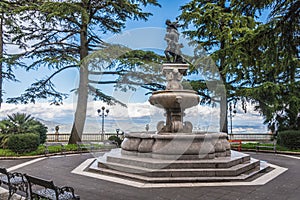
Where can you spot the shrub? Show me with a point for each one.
(21, 123)
(22, 143)
(38, 128)
(289, 139)
(116, 139)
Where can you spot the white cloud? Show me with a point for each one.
(38, 110)
(136, 115)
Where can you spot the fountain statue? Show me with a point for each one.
(175, 153)
(172, 38)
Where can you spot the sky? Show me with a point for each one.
(137, 34)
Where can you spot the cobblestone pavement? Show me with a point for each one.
(286, 186)
(4, 195)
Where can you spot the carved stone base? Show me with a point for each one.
(179, 146)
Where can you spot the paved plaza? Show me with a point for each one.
(58, 168)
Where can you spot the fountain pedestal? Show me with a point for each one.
(174, 100)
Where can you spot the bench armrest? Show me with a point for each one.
(64, 189)
(17, 174)
(67, 189)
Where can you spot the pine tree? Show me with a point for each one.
(8, 27)
(66, 33)
(217, 26)
(272, 56)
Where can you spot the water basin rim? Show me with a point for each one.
(175, 91)
(175, 136)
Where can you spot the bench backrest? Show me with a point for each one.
(32, 180)
(6, 173)
(3, 171)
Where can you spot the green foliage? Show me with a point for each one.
(217, 26)
(21, 123)
(272, 56)
(6, 152)
(71, 147)
(16, 123)
(115, 139)
(8, 27)
(132, 68)
(38, 128)
(64, 33)
(21, 143)
(289, 139)
(257, 61)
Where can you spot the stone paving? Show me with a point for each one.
(286, 186)
(4, 195)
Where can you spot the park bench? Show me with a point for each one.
(45, 189)
(264, 146)
(14, 181)
(47, 145)
(90, 146)
(83, 146)
(111, 143)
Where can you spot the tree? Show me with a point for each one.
(272, 56)
(217, 26)
(8, 28)
(21, 123)
(67, 32)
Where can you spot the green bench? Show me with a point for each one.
(264, 146)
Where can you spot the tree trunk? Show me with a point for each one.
(1, 57)
(223, 100)
(223, 115)
(81, 107)
(293, 107)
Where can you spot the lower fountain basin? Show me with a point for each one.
(176, 146)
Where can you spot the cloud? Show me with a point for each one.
(39, 110)
(135, 116)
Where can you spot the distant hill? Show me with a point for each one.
(50, 124)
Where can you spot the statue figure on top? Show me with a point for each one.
(173, 50)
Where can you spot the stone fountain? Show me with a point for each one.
(174, 138)
(175, 153)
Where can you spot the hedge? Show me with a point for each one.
(116, 139)
(289, 139)
(23, 143)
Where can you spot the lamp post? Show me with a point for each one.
(147, 127)
(117, 130)
(102, 113)
(231, 112)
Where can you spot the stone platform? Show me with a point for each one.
(236, 167)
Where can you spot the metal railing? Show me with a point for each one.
(92, 137)
(251, 136)
(97, 137)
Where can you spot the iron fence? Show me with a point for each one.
(64, 137)
(92, 137)
(251, 136)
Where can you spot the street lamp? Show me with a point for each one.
(147, 127)
(117, 130)
(231, 112)
(102, 113)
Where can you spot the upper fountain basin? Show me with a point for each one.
(169, 99)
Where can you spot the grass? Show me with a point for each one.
(252, 145)
(73, 147)
(51, 149)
